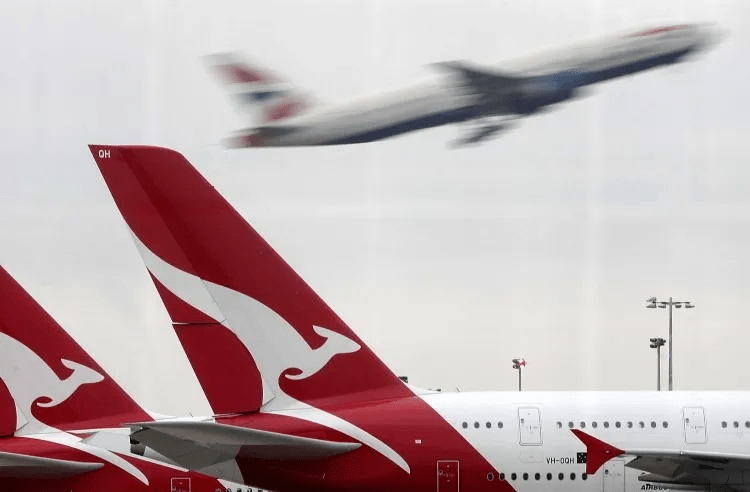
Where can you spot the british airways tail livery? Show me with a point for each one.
(61, 414)
(488, 99)
(317, 409)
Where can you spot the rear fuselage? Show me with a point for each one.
(506, 440)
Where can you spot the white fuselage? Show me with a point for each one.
(443, 99)
(527, 435)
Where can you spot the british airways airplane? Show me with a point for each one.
(490, 100)
(300, 402)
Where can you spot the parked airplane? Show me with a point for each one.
(275, 360)
(489, 99)
(60, 414)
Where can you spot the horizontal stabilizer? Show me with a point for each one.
(198, 444)
(13, 465)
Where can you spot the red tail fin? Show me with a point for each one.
(51, 379)
(214, 270)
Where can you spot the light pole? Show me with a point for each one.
(658, 343)
(517, 364)
(652, 303)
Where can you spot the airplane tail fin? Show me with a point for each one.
(266, 96)
(46, 378)
(230, 294)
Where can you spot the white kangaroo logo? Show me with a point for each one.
(274, 344)
(28, 378)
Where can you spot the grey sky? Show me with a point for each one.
(542, 244)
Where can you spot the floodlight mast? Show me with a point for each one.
(652, 303)
(518, 364)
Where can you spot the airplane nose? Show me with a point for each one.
(710, 35)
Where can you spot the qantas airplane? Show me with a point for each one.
(489, 100)
(301, 402)
(60, 415)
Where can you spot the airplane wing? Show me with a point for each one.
(198, 444)
(14, 465)
(491, 87)
(260, 136)
(671, 467)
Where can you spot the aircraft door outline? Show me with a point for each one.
(694, 420)
(447, 476)
(529, 426)
(614, 476)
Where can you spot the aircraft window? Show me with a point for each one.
(513, 476)
(559, 425)
(641, 424)
(594, 424)
(499, 425)
(525, 476)
(560, 476)
(549, 476)
(584, 476)
(571, 424)
(630, 425)
(653, 424)
(583, 425)
(572, 476)
(736, 424)
(476, 425)
(665, 424)
(606, 425)
(723, 424)
(747, 423)
(502, 476)
(537, 476)
(617, 424)
(489, 425)
(490, 477)
(464, 425)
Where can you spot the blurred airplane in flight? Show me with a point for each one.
(488, 99)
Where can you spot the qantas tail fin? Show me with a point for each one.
(268, 97)
(47, 379)
(252, 329)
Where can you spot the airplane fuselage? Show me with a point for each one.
(556, 75)
(503, 441)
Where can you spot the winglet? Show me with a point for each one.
(597, 452)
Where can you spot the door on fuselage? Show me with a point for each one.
(447, 476)
(529, 426)
(695, 425)
(614, 476)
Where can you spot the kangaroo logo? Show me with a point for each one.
(30, 379)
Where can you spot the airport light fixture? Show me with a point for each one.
(518, 364)
(658, 343)
(653, 303)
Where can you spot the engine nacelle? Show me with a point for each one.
(544, 90)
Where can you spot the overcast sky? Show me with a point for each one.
(541, 244)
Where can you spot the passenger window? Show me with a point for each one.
(653, 424)
(489, 425)
(572, 476)
(476, 425)
(606, 425)
(464, 425)
(525, 476)
(584, 476)
(736, 424)
(560, 476)
(630, 425)
(571, 424)
(723, 424)
(559, 425)
(594, 424)
(665, 424)
(641, 424)
(502, 476)
(617, 424)
(499, 425)
(537, 476)
(549, 476)
(583, 425)
(513, 476)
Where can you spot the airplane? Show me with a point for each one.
(487, 100)
(60, 414)
(274, 360)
